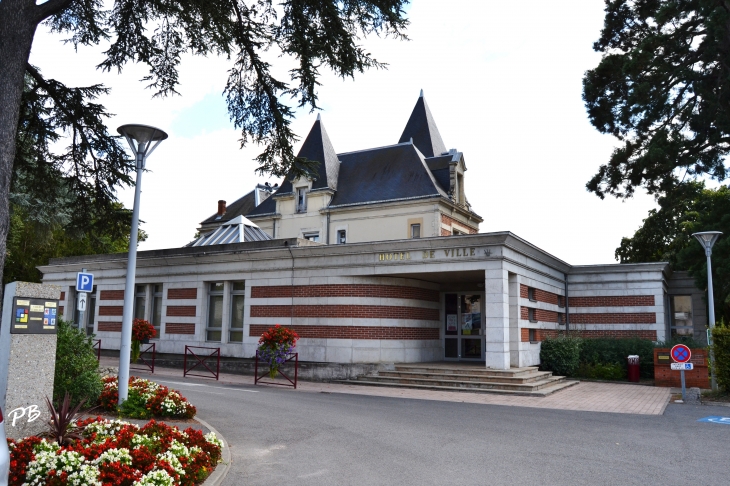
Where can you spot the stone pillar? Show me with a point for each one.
(27, 364)
(515, 339)
(496, 307)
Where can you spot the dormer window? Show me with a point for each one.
(301, 200)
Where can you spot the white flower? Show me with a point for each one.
(212, 439)
(79, 471)
(115, 455)
(155, 478)
(173, 461)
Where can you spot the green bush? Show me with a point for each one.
(611, 351)
(135, 406)
(560, 355)
(721, 348)
(77, 370)
(687, 341)
(599, 371)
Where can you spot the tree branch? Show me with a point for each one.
(51, 7)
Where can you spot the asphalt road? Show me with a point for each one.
(280, 437)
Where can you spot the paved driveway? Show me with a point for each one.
(316, 437)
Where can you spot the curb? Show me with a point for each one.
(221, 470)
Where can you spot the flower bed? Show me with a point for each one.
(116, 453)
(145, 399)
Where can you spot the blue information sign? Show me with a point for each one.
(84, 282)
(716, 420)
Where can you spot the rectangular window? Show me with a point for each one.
(561, 318)
(235, 332)
(140, 298)
(531, 315)
(302, 200)
(156, 317)
(532, 337)
(215, 312)
(341, 237)
(531, 294)
(311, 236)
(561, 301)
(415, 231)
(682, 322)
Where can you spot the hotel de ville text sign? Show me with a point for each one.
(443, 254)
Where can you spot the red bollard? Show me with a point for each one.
(633, 368)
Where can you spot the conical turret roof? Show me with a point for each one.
(317, 146)
(422, 129)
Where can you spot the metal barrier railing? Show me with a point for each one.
(259, 379)
(148, 363)
(97, 346)
(202, 360)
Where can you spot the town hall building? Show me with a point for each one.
(377, 259)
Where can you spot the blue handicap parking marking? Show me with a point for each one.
(716, 420)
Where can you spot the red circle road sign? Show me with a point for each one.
(681, 353)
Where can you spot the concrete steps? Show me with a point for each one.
(528, 381)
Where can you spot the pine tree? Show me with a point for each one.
(34, 111)
(663, 90)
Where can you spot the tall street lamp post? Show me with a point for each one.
(707, 239)
(143, 140)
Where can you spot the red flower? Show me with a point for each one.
(142, 330)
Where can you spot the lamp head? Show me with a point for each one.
(142, 139)
(142, 134)
(707, 239)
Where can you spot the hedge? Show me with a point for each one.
(721, 348)
(613, 352)
(560, 355)
(599, 358)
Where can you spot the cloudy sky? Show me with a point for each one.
(503, 80)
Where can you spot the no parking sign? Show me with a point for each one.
(681, 353)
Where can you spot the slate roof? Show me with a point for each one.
(317, 146)
(239, 207)
(383, 174)
(407, 170)
(422, 129)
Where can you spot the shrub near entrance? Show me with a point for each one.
(721, 348)
(561, 355)
(605, 358)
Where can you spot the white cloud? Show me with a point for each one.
(503, 80)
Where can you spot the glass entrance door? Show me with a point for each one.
(464, 327)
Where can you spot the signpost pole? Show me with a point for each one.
(684, 391)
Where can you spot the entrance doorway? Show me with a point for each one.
(464, 338)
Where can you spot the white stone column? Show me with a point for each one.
(514, 320)
(496, 308)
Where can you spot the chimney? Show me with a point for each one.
(221, 207)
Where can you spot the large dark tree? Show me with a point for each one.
(82, 178)
(663, 89)
(666, 235)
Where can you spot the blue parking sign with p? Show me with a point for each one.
(84, 282)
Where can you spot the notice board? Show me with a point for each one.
(34, 316)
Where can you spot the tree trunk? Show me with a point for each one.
(17, 28)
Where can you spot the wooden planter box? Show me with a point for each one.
(665, 376)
